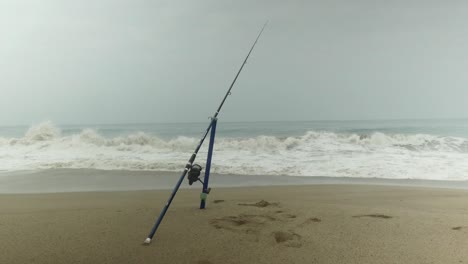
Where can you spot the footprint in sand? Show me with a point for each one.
(374, 216)
(290, 216)
(288, 238)
(204, 262)
(259, 225)
(309, 221)
(283, 214)
(243, 223)
(218, 201)
(262, 203)
(457, 228)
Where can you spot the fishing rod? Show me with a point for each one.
(189, 166)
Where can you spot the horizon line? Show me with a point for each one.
(236, 121)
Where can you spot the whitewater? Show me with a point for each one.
(306, 149)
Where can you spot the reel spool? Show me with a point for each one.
(194, 174)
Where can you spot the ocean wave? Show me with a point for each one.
(314, 153)
(50, 134)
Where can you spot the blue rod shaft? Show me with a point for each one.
(208, 161)
(163, 212)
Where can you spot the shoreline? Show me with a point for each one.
(92, 180)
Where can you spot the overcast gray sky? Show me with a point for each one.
(112, 61)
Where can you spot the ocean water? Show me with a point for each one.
(397, 149)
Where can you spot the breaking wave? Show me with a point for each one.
(417, 156)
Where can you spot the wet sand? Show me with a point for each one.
(278, 224)
(86, 180)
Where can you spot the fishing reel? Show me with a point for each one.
(194, 174)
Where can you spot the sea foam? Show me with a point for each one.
(315, 153)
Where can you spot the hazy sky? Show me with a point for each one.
(110, 61)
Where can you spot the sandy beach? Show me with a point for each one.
(278, 224)
(329, 132)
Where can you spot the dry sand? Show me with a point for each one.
(293, 224)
